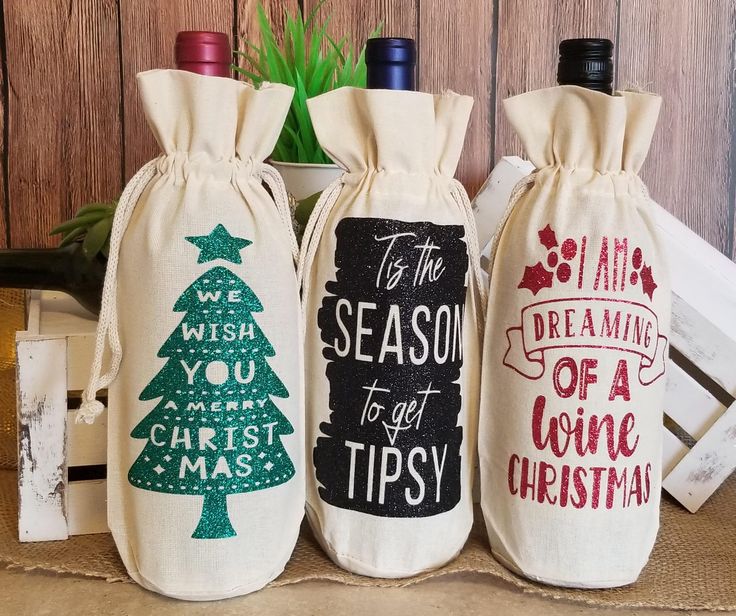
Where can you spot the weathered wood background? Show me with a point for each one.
(71, 127)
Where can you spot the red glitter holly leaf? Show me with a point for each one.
(536, 278)
(647, 281)
(548, 238)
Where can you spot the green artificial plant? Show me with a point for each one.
(310, 61)
(91, 227)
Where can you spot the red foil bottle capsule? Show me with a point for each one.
(206, 53)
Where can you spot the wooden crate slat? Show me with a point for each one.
(33, 311)
(79, 358)
(703, 277)
(688, 403)
(86, 443)
(704, 344)
(42, 411)
(61, 315)
(87, 507)
(711, 460)
(673, 450)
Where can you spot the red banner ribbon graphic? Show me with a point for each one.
(586, 322)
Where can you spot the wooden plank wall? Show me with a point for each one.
(72, 130)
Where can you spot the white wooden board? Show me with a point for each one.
(689, 404)
(54, 356)
(42, 414)
(87, 507)
(701, 276)
(703, 342)
(673, 450)
(706, 466)
(86, 443)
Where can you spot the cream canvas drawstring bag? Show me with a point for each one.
(200, 314)
(576, 346)
(392, 305)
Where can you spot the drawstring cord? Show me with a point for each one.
(460, 196)
(107, 327)
(517, 193)
(275, 182)
(312, 235)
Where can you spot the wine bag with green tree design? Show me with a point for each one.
(200, 311)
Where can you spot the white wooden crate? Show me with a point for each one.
(700, 428)
(53, 359)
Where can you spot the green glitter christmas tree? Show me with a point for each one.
(215, 430)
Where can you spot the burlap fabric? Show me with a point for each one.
(693, 565)
(11, 320)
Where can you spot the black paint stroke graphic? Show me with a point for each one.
(399, 461)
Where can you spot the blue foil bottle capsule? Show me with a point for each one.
(391, 63)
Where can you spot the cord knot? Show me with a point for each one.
(89, 411)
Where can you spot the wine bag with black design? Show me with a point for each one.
(201, 315)
(576, 346)
(391, 298)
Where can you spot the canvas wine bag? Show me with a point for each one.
(201, 315)
(576, 346)
(390, 291)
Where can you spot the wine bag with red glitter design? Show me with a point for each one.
(576, 346)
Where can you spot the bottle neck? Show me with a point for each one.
(54, 269)
(42, 268)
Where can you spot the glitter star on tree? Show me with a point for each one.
(219, 244)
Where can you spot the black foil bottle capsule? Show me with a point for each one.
(586, 62)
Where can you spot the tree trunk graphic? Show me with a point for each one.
(215, 521)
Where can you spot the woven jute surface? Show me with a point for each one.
(693, 565)
(11, 320)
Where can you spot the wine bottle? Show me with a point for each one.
(56, 269)
(586, 62)
(391, 63)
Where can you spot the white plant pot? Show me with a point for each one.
(305, 179)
